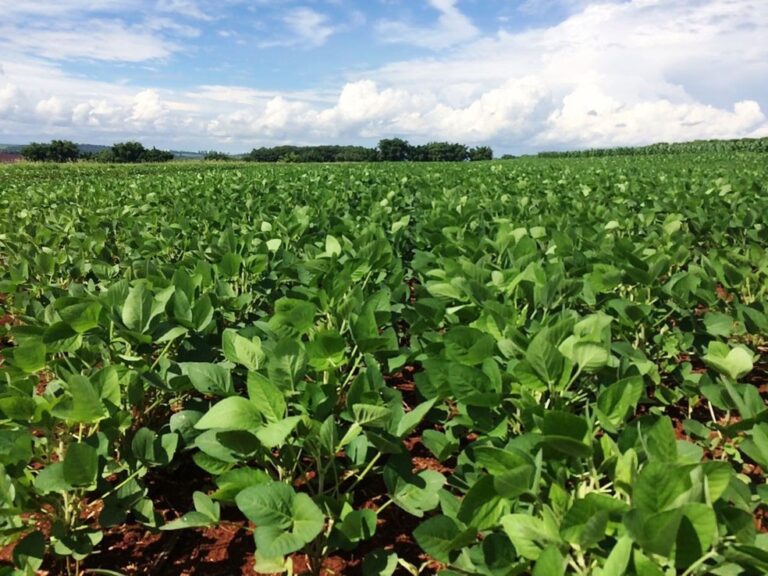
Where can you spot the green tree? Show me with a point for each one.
(155, 155)
(35, 152)
(479, 153)
(56, 151)
(394, 150)
(133, 153)
(128, 153)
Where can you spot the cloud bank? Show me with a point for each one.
(611, 73)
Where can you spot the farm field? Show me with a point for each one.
(536, 366)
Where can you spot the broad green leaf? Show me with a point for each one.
(241, 350)
(417, 494)
(29, 357)
(618, 560)
(293, 315)
(274, 434)
(482, 507)
(529, 535)
(591, 356)
(380, 563)
(231, 483)
(734, 362)
(550, 563)
(188, 520)
(442, 537)
(29, 552)
(441, 445)
(544, 357)
(514, 482)
(327, 350)
(617, 401)
(266, 397)
(286, 363)
(412, 419)
(154, 450)
(332, 246)
(285, 521)
(697, 533)
(81, 316)
(658, 486)
(205, 505)
(51, 479)
(370, 415)
(208, 378)
(233, 413)
(661, 442)
(81, 465)
(358, 525)
(83, 404)
(137, 310)
(468, 345)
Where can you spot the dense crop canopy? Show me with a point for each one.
(542, 366)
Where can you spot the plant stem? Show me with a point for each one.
(365, 471)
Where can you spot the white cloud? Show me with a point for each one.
(148, 108)
(52, 110)
(588, 115)
(452, 28)
(93, 40)
(305, 27)
(10, 99)
(99, 30)
(188, 8)
(612, 73)
(40, 8)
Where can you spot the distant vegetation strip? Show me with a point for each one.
(695, 147)
(387, 150)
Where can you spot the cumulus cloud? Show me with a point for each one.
(148, 108)
(10, 99)
(589, 115)
(611, 73)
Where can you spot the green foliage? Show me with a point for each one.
(582, 338)
(217, 156)
(664, 148)
(57, 151)
(133, 153)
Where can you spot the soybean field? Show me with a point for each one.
(533, 366)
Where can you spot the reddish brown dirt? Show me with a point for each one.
(761, 519)
(225, 550)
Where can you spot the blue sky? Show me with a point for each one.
(519, 75)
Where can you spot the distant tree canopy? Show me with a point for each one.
(394, 150)
(388, 150)
(312, 154)
(133, 153)
(480, 153)
(66, 151)
(694, 147)
(56, 151)
(217, 156)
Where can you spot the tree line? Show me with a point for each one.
(388, 150)
(62, 151)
